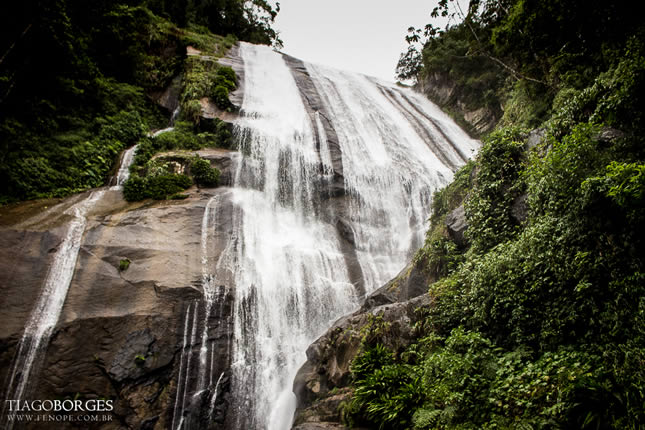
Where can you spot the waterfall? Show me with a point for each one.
(124, 168)
(171, 125)
(209, 288)
(201, 392)
(49, 305)
(162, 131)
(390, 170)
(290, 275)
(289, 272)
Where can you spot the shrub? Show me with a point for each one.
(124, 264)
(192, 110)
(224, 135)
(203, 173)
(157, 187)
(498, 184)
(135, 188)
(162, 186)
(220, 96)
(229, 74)
(386, 393)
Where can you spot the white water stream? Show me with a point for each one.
(124, 169)
(49, 305)
(44, 316)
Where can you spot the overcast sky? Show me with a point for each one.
(364, 36)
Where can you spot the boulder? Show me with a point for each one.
(457, 224)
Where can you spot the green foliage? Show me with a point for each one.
(67, 162)
(76, 76)
(228, 77)
(158, 187)
(624, 183)
(223, 134)
(203, 174)
(201, 39)
(498, 184)
(205, 78)
(124, 264)
(525, 105)
(464, 381)
(371, 359)
(248, 20)
(135, 188)
(192, 111)
(440, 255)
(220, 96)
(543, 319)
(385, 393)
(451, 196)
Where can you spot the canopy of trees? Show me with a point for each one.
(69, 70)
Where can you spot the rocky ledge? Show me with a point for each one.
(323, 382)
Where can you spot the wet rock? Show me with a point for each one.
(223, 160)
(323, 413)
(346, 231)
(444, 92)
(169, 97)
(411, 282)
(233, 60)
(119, 335)
(456, 225)
(520, 208)
(535, 137)
(610, 135)
(320, 426)
(313, 104)
(322, 382)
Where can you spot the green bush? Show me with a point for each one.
(228, 74)
(162, 186)
(224, 135)
(157, 187)
(124, 264)
(135, 188)
(220, 96)
(203, 174)
(385, 393)
(192, 110)
(498, 184)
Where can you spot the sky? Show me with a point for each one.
(365, 36)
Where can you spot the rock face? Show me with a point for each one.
(322, 383)
(456, 225)
(120, 332)
(441, 90)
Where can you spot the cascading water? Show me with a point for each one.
(290, 275)
(390, 170)
(124, 169)
(202, 390)
(45, 315)
(171, 126)
(49, 305)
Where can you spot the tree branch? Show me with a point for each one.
(14, 43)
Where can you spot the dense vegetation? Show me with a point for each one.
(165, 176)
(75, 81)
(539, 319)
